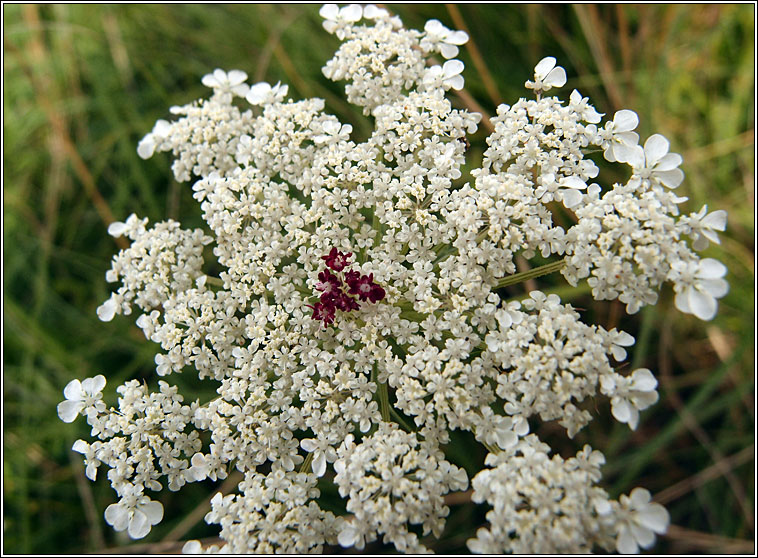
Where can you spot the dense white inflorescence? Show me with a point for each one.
(360, 315)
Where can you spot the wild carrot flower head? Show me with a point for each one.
(345, 300)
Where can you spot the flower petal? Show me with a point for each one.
(452, 68)
(153, 511)
(73, 390)
(625, 120)
(93, 385)
(146, 147)
(703, 305)
(670, 178)
(715, 287)
(80, 446)
(643, 380)
(669, 162)
(319, 464)
(457, 38)
(625, 543)
(107, 310)
(448, 51)
(348, 536)
(434, 27)
(656, 147)
(715, 220)
(654, 517)
(456, 82)
(556, 77)
(571, 198)
(69, 410)
(645, 537)
(117, 516)
(236, 77)
(636, 157)
(139, 526)
(352, 13)
(308, 444)
(574, 182)
(682, 303)
(117, 229)
(621, 409)
(329, 11)
(711, 269)
(543, 67)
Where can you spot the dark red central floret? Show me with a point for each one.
(336, 290)
(337, 260)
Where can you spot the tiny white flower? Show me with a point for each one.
(698, 286)
(336, 18)
(372, 11)
(630, 395)
(582, 107)
(547, 75)
(448, 75)
(350, 536)
(566, 190)
(704, 226)
(322, 453)
(447, 40)
(146, 146)
(199, 469)
(569, 191)
(333, 132)
(135, 513)
(91, 462)
(227, 83)
(654, 162)
(639, 521)
(80, 395)
(264, 94)
(620, 139)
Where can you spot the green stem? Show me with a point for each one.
(531, 274)
(384, 396)
(307, 463)
(491, 449)
(384, 402)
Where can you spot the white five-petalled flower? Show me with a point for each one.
(87, 393)
(444, 39)
(654, 162)
(264, 94)
(448, 75)
(704, 226)
(547, 75)
(698, 285)
(135, 513)
(639, 520)
(630, 395)
(336, 18)
(621, 141)
(232, 82)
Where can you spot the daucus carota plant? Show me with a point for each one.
(362, 313)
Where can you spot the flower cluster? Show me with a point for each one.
(549, 505)
(334, 296)
(413, 334)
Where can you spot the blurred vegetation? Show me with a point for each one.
(83, 83)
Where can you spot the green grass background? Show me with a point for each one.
(83, 83)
